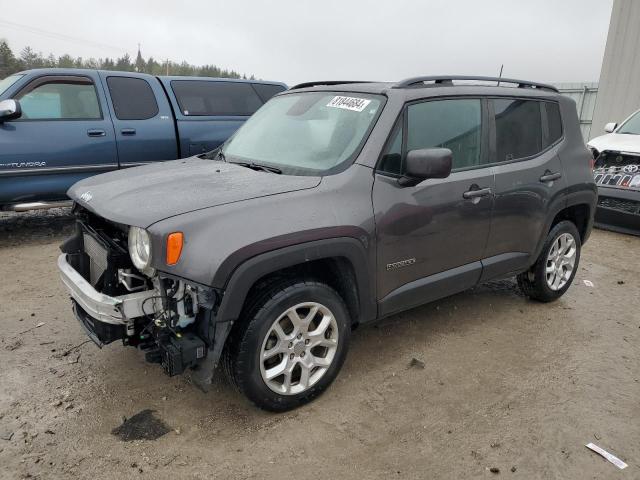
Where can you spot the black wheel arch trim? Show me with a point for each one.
(257, 267)
(571, 198)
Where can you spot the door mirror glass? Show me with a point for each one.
(426, 163)
(9, 109)
(610, 127)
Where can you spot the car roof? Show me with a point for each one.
(220, 79)
(86, 71)
(422, 87)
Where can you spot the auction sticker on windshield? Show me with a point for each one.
(349, 103)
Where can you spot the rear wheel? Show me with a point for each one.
(289, 345)
(556, 267)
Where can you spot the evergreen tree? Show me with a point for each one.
(140, 64)
(124, 63)
(65, 61)
(7, 60)
(151, 66)
(108, 64)
(30, 59)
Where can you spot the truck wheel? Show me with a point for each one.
(556, 266)
(289, 344)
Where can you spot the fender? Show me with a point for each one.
(243, 278)
(250, 271)
(558, 203)
(582, 195)
(569, 198)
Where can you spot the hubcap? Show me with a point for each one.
(299, 348)
(561, 261)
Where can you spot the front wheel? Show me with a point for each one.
(556, 267)
(289, 345)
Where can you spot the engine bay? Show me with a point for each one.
(171, 326)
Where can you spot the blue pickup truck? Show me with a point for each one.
(58, 126)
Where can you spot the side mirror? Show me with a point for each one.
(9, 109)
(610, 127)
(426, 163)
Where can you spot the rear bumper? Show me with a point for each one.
(103, 308)
(618, 210)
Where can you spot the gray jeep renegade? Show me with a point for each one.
(336, 204)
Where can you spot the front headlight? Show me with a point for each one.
(140, 248)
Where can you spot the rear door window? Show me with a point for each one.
(201, 97)
(266, 91)
(60, 98)
(132, 98)
(518, 127)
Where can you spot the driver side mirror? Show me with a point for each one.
(610, 127)
(426, 163)
(9, 109)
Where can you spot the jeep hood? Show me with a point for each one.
(142, 196)
(617, 142)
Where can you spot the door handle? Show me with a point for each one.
(96, 132)
(550, 177)
(128, 131)
(477, 193)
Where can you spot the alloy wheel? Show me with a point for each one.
(299, 348)
(561, 261)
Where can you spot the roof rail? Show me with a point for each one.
(448, 80)
(326, 82)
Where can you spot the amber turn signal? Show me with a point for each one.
(174, 247)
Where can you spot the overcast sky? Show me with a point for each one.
(300, 40)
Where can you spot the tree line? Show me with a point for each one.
(28, 59)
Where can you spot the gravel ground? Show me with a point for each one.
(498, 383)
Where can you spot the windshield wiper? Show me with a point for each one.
(257, 166)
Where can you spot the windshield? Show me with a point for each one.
(632, 125)
(305, 133)
(7, 82)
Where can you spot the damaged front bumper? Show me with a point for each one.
(119, 310)
(168, 318)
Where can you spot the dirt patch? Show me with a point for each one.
(507, 384)
(142, 426)
(35, 226)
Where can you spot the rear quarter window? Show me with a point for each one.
(554, 121)
(201, 97)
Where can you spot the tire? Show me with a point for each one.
(537, 283)
(256, 334)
